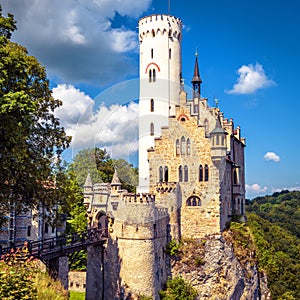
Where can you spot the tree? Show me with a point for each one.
(178, 289)
(31, 138)
(101, 167)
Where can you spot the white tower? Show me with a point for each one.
(160, 76)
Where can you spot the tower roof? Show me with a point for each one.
(196, 77)
(115, 180)
(88, 180)
(219, 128)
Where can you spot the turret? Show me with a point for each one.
(88, 191)
(115, 183)
(218, 142)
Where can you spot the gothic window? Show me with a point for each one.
(206, 173)
(200, 173)
(154, 75)
(153, 33)
(188, 147)
(152, 105)
(235, 178)
(150, 75)
(170, 53)
(166, 171)
(152, 53)
(160, 174)
(217, 140)
(183, 145)
(151, 129)
(193, 201)
(186, 173)
(180, 173)
(28, 230)
(177, 147)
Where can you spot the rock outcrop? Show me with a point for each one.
(217, 274)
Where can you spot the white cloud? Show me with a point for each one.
(91, 124)
(80, 41)
(76, 107)
(272, 156)
(255, 190)
(251, 78)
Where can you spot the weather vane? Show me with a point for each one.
(216, 102)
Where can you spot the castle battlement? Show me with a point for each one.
(143, 198)
(165, 187)
(156, 25)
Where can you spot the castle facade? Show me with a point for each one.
(191, 170)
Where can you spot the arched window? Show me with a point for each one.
(183, 147)
(186, 173)
(235, 177)
(150, 75)
(152, 105)
(217, 140)
(200, 173)
(166, 174)
(188, 147)
(153, 33)
(160, 174)
(154, 75)
(193, 201)
(206, 173)
(151, 129)
(180, 174)
(177, 147)
(152, 53)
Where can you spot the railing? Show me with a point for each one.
(50, 248)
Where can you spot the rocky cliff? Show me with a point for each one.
(218, 271)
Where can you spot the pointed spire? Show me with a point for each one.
(88, 181)
(196, 81)
(196, 78)
(116, 180)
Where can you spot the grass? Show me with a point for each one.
(77, 295)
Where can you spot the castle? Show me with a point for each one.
(191, 173)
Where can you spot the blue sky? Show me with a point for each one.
(248, 59)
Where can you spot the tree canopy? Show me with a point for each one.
(31, 137)
(274, 222)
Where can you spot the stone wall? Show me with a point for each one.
(77, 281)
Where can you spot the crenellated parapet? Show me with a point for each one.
(166, 187)
(159, 25)
(142, 198)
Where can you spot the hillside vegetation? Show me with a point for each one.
(275, 224)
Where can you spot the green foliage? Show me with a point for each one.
(101, 167)
(31, 137)
(172, 248)
(20, 278)
(282, 209)
(178, 289)
(16, 276)
(273, 220)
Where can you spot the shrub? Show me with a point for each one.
(178, 289)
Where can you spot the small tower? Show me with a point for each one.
(160, 75)
(88, 191)
(115, 183)
(196, 81)
(218, 142)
